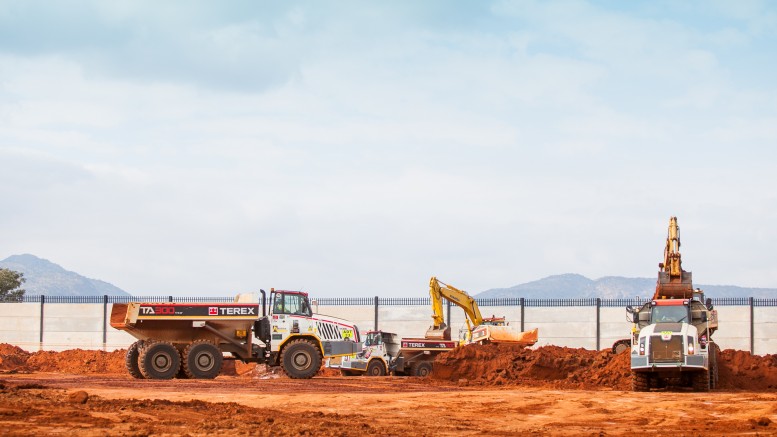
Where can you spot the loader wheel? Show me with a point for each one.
(376, 368)
(202, 360)
(159, 360)
(300, 359)
(131, 359)
(640, 381)
(620, 346)
(422, 369)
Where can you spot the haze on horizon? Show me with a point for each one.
(358, 148)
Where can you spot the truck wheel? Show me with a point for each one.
(300, 359)
(422, 369)
(159, 360)
(640, 381)
(701, 381)
(202, 360)
(131, 359)
(376, 368)
(620, 346)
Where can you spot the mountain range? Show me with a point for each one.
(572, 285)
(46, 278)
(43, 277)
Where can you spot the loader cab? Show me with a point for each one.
(290, 302)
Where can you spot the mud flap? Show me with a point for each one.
(335, 348)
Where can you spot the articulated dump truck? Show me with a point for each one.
(190, 340)
(672, 335)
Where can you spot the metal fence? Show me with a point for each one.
(397, 301)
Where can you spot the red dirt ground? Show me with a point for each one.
(492, 389)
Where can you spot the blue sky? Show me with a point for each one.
(357, 148)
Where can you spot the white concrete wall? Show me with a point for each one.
(733, 327)
(20, 325)
(70, 326)
(765, 330)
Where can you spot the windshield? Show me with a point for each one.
(676, 314)
(295, 304)
(373, 339)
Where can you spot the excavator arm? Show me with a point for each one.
(438, 291)
(673, 281)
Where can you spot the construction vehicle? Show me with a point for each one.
(479, 330)
(189, 340)
(383, 353)
(671, 340)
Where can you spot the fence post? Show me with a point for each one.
(522, 313)
(448, 321)
(376, 313)
(105, 320)
(752, 327)
(598, 326)
(42, 302)
(171, 298)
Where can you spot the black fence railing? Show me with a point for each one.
(397, 301)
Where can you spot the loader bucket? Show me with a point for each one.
(505, 334)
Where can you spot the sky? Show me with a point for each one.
(357, 148)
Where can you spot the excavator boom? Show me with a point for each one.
(673, 282)
(479, 330)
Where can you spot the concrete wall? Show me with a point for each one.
(70, 326)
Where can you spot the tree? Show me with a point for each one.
(10, 283)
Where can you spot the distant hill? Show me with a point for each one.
(572, 285)
(46, 278)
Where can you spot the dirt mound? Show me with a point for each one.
(77, 361)
(740, 370)
(12, 357)
(550, 366)
(562, 367)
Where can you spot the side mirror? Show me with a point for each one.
(708, 303)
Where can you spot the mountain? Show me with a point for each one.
(46, 278)
(572, 285)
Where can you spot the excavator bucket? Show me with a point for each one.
(443, 332)
(504, 334)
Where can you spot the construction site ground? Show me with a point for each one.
(476, 391)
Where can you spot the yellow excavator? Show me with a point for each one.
(673, 282)
(479, 330)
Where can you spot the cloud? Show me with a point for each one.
(358, 149)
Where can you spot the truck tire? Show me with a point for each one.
(376, 368)
(131, 359)
(422, 369)
(714, 350)
(701, 381)
(640, 381)
(202, 360)
(620, 346)
(159, 360)
(300, 359)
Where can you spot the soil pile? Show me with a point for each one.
(740, 370)
(562, 367)
(12, 357)
(553, 366)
